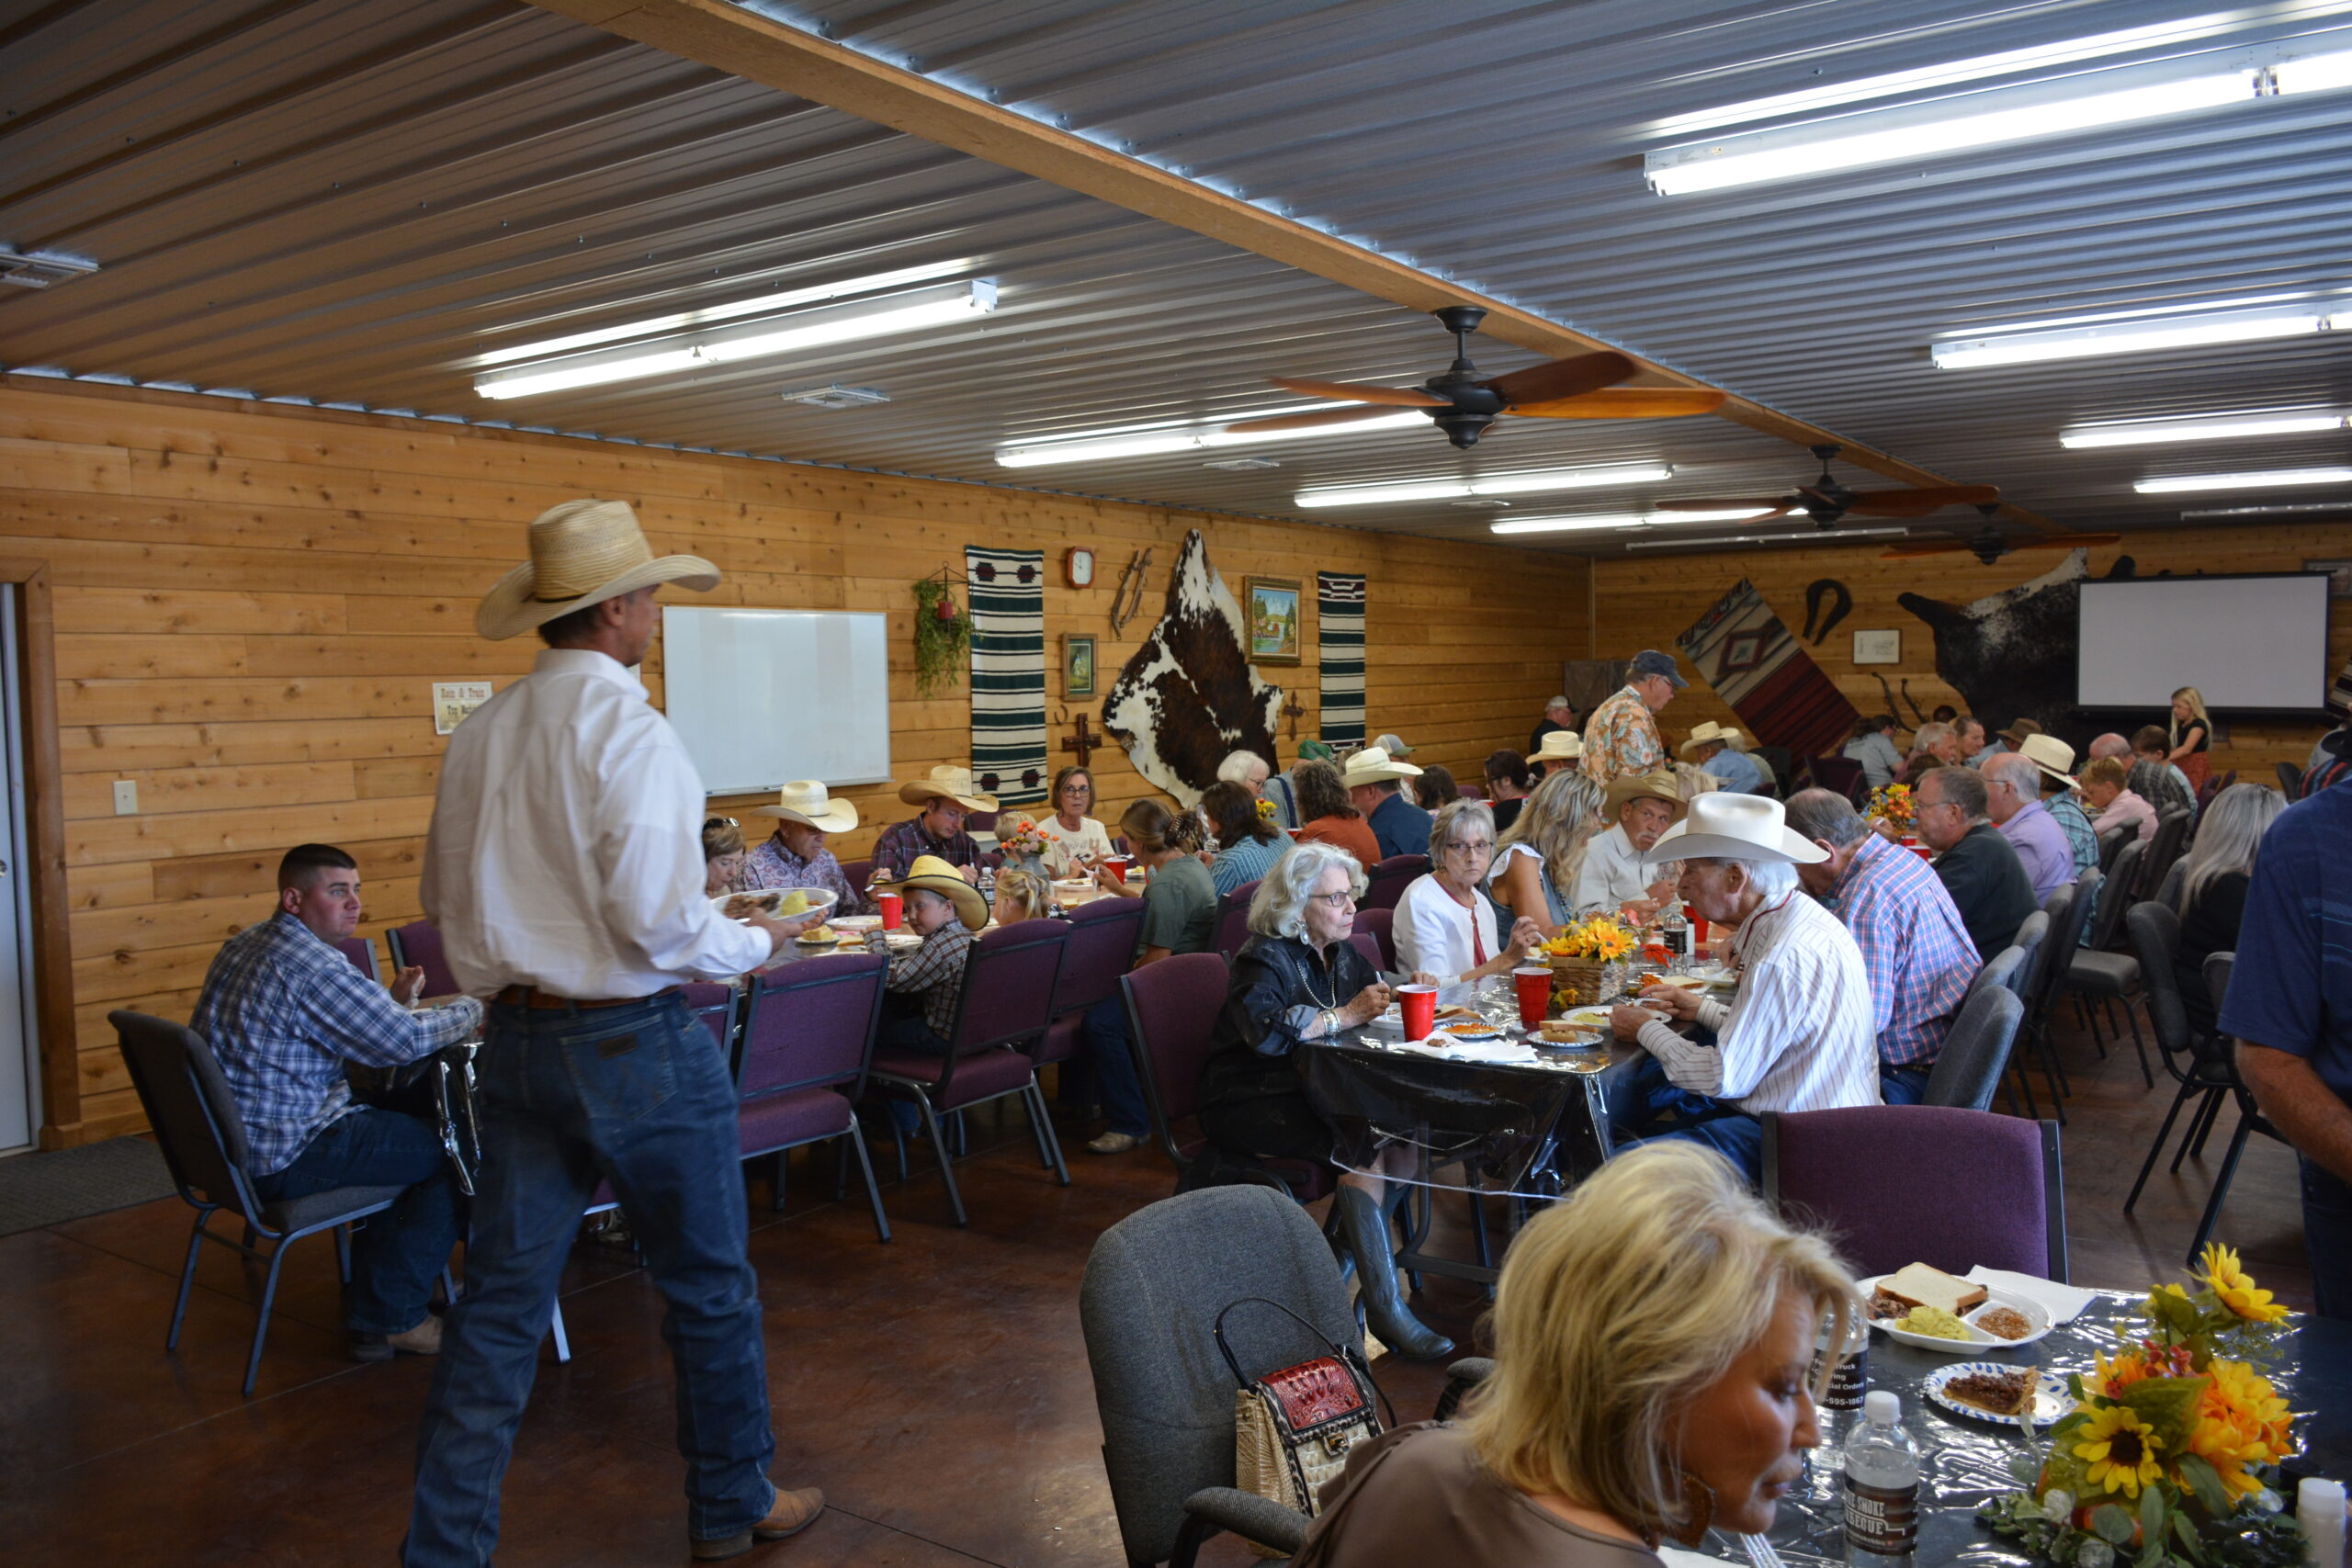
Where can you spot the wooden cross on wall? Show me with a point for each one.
(1293, 710)
(1084, 743)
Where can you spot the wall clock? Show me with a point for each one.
(1078, 567)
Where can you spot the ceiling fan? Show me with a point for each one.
(1825, 500)
(1988, 544)
(1462, 403)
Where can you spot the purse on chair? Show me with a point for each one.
(1294, 1429)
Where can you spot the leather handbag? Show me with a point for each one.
(1292, 1429)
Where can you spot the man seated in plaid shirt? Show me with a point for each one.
(284, 1009)
(1915, 946)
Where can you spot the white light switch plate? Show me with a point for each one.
(126, 797)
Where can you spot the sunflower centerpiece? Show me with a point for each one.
(2165, 1460)
(1892, 805)
(1581, 956)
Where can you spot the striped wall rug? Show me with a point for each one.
(1746, 653)
(1007, 595)
(1339, 637)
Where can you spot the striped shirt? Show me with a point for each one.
(1621, 739)
(1915, 948)
(1797, 1035)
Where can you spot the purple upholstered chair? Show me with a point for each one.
(362, 954)
(1896, 1184)
(1390, 878)
(808, 1035)
(1006, 1002)
(858, 871)
(419, 944)
(1101, 948)
(1380, 926)
(1233, 918)
(1363, 941)
(716, 1004)
(1172, 1008)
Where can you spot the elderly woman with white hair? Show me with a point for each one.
(1255, 774)
(1298, 981)
(1799, 1033)
(1445, 928)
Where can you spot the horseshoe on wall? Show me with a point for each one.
(1814, 592)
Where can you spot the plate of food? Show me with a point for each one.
(857, 923)
(1569, 1036)
(1587, 1018)
(818, 936)
(1681, 981)
(1473, 1029)
(1927, 1308)
(1989, 1391)
(777, 903)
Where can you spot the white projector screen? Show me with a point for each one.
(2245, 642)
(763, 696)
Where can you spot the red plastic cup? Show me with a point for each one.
(1534, 994)
(1909, 841)
(1118, 864)
(894, 910)
(1419, 1006)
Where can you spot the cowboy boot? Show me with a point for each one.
(1363, 1219)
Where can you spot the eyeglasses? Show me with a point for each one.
(1339, 900)
(1470, 846)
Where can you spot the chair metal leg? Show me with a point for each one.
(2212, 1115)
(562, 1341)
(342, 1252)
(866, 1168)
(187, 1279)
(1037, 1102)
(2206, 1108)
(2157, 1149)
(946, 1161)
(1037, 1123)
(2054, 1075)
(2221, 1187)
(2132, 1017)
(775, 1203)
(261, 1328)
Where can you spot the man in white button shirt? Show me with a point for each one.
(1641, 807)
(565, 871)
(1799, 1033)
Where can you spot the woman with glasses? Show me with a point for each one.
(1075, 842)
(1445, 925)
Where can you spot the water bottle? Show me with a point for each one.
(1676, 932)
(2319, 1508)
(1882, 1487)
(988, 882)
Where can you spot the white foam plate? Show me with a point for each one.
(820, 900)
(2051, 1399)
(1980, 1341)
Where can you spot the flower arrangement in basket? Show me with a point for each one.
(1582, 951)
(1018, 838)
(1891, 804)
(2163, 1459)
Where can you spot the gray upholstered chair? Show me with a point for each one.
(1976, 1053)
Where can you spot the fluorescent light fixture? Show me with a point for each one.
(1618, 520)
(2139, 335)
(1529, 483)
(2296, 509)
(816, 329)
(1157, 442)
(1804, 536)
(2214, 427)
(2275, 479)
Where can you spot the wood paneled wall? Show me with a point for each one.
(1648, 604)
(253, 602)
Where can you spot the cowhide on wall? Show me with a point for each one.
(2011, 654)
(1189, 698)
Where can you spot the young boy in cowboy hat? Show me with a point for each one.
(948, 797)
(946, 912)
(795, 855)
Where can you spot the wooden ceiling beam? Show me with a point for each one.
(757, 49)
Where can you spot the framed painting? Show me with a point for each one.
(1078, 665)
(1272, 608)
(1878, 648)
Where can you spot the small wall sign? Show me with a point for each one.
(1878, 648)
(453, 700)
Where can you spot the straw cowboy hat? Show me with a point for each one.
(1659, 786)
(1559, 746)
(1706, 730)
(1725, 826)
(933, 874)
(804, 801)
(2051, 755)
(2016, 733)
(1374, 765)
(582, 553)
(947, 784)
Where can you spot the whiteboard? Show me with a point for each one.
(2244, 642)
(763, 696)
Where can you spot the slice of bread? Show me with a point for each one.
(1919, 1285)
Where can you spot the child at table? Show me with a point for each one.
(1021, 896)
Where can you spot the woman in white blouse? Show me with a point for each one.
(1075, 842)
(1445, 928)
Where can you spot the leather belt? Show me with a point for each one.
(531, 997)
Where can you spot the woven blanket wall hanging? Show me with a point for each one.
(1340, 607)
(1007, 589)
(1745, 652)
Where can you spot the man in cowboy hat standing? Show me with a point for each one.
(795, 855)
(564, 872)
(1621, 738)
(946, 796)
(1398, 826)
(1715, 748)
(1640, 806)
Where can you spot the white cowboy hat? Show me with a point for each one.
(1722, 826)
(582, 553)
(804, 801)
(947, 784)
(1559, 746)
(2051, 755)
(936, 875)
(1708, 729)
(1374, 765)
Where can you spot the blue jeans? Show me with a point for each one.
(1645, 1107)
(639, 1096)
(395, 1255)
(1115, 1068)
(1902, 1086)
(2327, 1234)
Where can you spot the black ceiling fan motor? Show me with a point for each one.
(1474, 407)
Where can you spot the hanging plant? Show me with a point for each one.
(942, 638)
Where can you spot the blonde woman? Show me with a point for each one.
(1539, 854)
(1021, 896)
(2190, 734)
(1653, 1337)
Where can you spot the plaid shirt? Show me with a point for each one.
(935, 971)
(1913, 946)
(771, 864)
(2163, 786)
(283, 1011)
(901, 843)
(2079, 831)
(1621, 739)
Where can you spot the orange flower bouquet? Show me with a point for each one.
(1599, 938)
(1891, 804)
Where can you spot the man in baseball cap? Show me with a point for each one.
(1622, 736)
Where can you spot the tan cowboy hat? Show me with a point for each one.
(1559, 746)
(1737, 827)
(1658, 785)
(1374, 765)
(2051, 755)
(2015, 734)
(804, 801)
(947, 784)
(1708, 729)
(582, 553)
(936, 875)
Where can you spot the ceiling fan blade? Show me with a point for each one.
(1628, 403)
(1357, 393)
(2065, 541)
(1918, 503)
(1775, 504)
(1558, 378)
(1310, 421)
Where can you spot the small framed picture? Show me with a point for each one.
(1272, 607)
(1078, 665)
(2339, 576)
(1878, 648)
